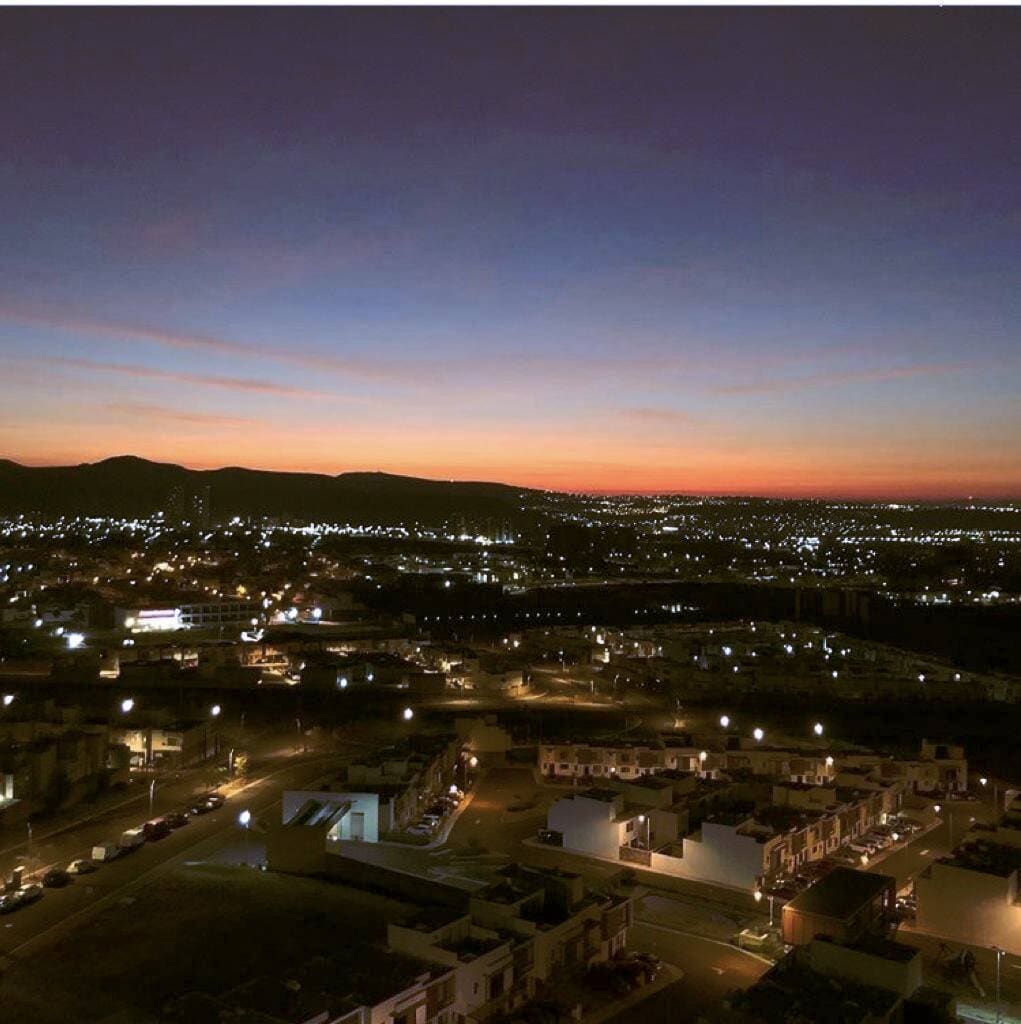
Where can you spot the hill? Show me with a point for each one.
(130, 486)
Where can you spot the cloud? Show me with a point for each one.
(199, 379)
(356, 366)
(163, 412)
(824, 380)
(657, 415)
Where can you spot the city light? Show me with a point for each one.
(817, 728)
(409, 714)
(127, 705)
(215, 710)
(8, 699)
(758, 734)
(74, 641)
(725, 721)
(245, 818)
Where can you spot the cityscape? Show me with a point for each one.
(509, 516)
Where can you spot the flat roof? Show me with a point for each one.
(841, 893)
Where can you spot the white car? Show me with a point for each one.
(82, 866)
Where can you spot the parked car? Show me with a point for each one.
(56, 878)
(10, 902)
(105, 851)
(176, 819)
(420, 830)
(156, 829)
(215, 800)
(131, 839)
(82, 866)
(30, 893)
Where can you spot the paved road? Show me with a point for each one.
(913, 858)
(712, 971)
(62, 910)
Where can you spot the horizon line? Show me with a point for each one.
(575, 491)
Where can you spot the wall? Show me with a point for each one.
(970, 907)
(724, 856)
(899, 976)
(586, 825)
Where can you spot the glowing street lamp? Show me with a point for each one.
(245, 818)
(409, 714)
(724, 721)
(817, 728)
(758, 734)
(8, 699)
(215, 710)
(127, 705)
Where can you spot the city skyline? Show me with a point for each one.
(702, 251)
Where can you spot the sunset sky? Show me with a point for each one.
(728, 251)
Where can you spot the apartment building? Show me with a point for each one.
(747, 833)
(940, 768)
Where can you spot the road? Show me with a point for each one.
(215, 835)
(712, 971)
(914, 857)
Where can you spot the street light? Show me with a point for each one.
(245, 818)
(127, 705)
(152, 794)
(702, 756)
(8, 699)
(408, 714)
(758, 734)
(215, 710)
(817, 728)
(724, 721)
(829, 760)
(999, 960)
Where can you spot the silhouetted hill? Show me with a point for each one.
(130, 486)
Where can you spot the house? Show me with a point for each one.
(972, 896)
(844, 906)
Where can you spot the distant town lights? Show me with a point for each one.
(817, 728)
(8, 699)
(409, 714)
(215, 710)
(829, 761)
(127, 705)
(758, 734)
(725, 721)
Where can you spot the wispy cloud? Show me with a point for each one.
(656, 415)
(836, 379)
(355, 366)
(163, 412)
(199, 379)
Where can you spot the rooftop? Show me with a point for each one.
(842, 893)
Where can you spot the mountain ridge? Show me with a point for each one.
(131, 485)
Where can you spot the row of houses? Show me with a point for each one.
(939, 768)
(742, 834)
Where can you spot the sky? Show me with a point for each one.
(725, 250)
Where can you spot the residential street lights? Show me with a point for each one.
(758, 899)
(999, 960)
(152, 795)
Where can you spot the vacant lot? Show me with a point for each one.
(202, 928)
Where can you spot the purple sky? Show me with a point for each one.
(727, 250)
